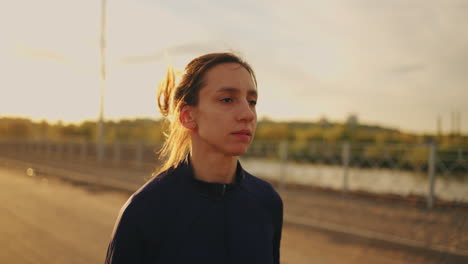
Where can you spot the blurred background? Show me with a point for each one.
(362, 128)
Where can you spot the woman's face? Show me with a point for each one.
(225, 116)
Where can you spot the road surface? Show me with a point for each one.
(48, 220)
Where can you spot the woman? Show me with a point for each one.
(202, 206)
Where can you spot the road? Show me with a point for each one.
(48, 220)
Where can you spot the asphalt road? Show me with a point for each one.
(48, 220)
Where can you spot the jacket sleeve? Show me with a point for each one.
(278, 230)
(126, 245)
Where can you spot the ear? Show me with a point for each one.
(186, 117)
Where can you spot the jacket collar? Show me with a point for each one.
(209, 189)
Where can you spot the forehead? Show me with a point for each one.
(232, 75)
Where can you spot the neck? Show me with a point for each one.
(213, 167)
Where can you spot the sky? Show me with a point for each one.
(394, 63)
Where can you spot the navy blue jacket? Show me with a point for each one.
(176, 218)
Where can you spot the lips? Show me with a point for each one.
(243, 132)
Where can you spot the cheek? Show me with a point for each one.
(213, 120)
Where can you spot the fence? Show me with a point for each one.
(343, 166)
(126, 154)
(390, 168)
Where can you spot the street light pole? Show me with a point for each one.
(100, 146)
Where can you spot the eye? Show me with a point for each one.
(226, 100)
(253, 102)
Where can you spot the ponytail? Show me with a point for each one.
(165, 90)
(177, 144)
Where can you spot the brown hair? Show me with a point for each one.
(172, 99)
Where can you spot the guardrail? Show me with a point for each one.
(134, 154)
(427, 162)
(345, 160)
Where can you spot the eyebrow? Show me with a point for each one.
(236, 90)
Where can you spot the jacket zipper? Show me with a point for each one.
(224, 190)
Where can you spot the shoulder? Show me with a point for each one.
(266, 194)
(151, 194)
(155, 190)
(144, 203)
(263, 190)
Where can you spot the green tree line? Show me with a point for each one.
(151, 131)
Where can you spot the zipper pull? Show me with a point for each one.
(224, 190)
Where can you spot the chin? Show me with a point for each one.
(238, 151)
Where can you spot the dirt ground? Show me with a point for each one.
(47, 220)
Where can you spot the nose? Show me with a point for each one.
(246, 113)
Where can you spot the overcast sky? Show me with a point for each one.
(393, 63)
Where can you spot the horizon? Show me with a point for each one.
(260, 118)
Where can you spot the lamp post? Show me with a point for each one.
(102, 74)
